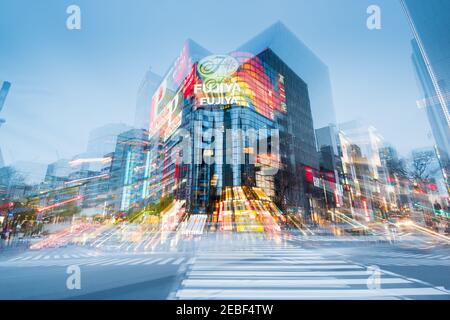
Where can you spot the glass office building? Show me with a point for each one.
(129, 174)
(231, 135)
(430, 23)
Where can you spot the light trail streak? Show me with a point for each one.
(8, 205)
(59, 204)
(106, 175)
(78, 162)
(352, 222)
(424, 230)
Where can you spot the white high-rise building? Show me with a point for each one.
(146, 90)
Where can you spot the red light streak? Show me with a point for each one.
(338, 200)
(8, 205)
(59, 204)
(366, 211)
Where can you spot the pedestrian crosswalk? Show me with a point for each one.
(30, 257)
(406, 262)
(90, 260)
(332, 238)
(386, 256)
(415, 255)
(399, 238)
(33, 256)
(270, 272)
(391, 257)
(280, 254)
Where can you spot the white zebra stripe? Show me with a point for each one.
(306, 294)
(140, 261)
(286, 267)
(284, 283)
(283, 274)
(110, 262)
(95, 262)
(153, 261)
(165, 261)
(178, 261)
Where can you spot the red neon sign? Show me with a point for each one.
(309, 174)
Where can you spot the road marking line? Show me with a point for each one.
(178, 261)
(153, 261)
(275, 262)
(140, 261)
(255, 255)
(306, 294)
(127, 261)
(27, 258)
(95, 262)
(165, 261)
(283, 283)
(15, 259)
(256, 267)
(110, 262)
(283, 274)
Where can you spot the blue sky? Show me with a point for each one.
(65, 83)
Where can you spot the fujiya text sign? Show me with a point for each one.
(217, 94)
(216, 72)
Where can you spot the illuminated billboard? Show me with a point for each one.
(240, 79)
(237, 79)
(169, 98)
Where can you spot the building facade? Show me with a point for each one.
(430, 24)
(128, 170)
(145, 93)
(232, 134)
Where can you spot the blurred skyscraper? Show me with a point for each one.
(327, 146)
(3, 93)
(129, 171)
(430, 23)
(269, 91)
(102, 140)
(363, 167)
(305, 63)
(58, 173)
(145, 93)
(2, 163)
(32, 172)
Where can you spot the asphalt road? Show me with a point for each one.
(231, 266)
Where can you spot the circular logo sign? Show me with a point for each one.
(217, 66)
